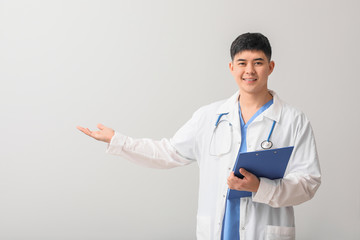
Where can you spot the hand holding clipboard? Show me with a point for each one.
(270, 164)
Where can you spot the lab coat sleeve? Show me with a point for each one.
(164, 153)
(302, 178)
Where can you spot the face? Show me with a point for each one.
(251, 70)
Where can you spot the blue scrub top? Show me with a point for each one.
(231, 222)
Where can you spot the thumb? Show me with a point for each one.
(244, 172)
(100, 126)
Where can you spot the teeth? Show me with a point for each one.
(249, 79)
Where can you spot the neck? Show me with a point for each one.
(254, 101)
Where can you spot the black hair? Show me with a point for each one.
(250, 41)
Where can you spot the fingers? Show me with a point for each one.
(88, 131)
(93, 134)
(84, 130)
(234, 182)
(245, 173)
(249, 183)
(105, 134)
(230, 176)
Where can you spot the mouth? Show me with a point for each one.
(249, 79)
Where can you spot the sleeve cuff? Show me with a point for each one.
(265, 192)
(116, 144)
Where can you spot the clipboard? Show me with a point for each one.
(270, 164)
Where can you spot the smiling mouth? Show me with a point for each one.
(250, 79)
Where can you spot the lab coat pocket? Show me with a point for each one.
(203, 228)
(280, 233)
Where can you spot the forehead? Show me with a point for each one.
(250, 55)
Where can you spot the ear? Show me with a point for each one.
(271, 66)
(231, 66)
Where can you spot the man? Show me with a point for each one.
(215, 135)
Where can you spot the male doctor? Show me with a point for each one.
(215, 135)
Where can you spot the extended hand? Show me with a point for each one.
(249, 183)
(105, 134)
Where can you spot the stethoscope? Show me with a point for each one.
(266, 144)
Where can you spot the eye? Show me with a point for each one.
(241, 64)
(258, 63)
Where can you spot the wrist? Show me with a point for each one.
(111, 136)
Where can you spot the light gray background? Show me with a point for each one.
(142, 68)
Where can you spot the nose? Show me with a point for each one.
(250, 69)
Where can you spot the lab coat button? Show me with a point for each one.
(243, 228)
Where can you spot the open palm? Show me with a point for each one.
(104, 134)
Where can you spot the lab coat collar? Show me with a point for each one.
(273, 112)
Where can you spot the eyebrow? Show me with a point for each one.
(256, 59)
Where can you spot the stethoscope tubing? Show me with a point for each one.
(266, 144)
(271, 131)
(219, 118)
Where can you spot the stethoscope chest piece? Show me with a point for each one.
(266, 144)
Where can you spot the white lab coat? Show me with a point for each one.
(268, 214)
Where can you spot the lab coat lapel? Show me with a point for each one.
(231, 106)
(227, 161)
(274, 111)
